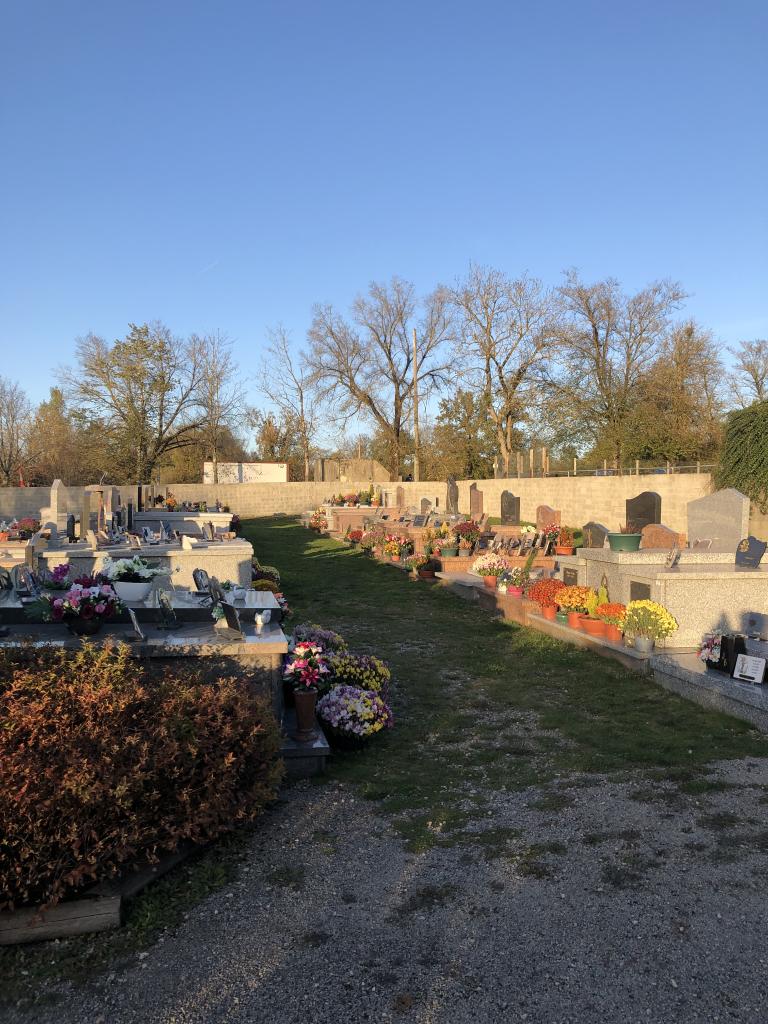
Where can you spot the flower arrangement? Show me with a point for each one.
(351, 499)
(25, 527)
(628, 528)
(551, 531)
(545, 591)
(416, 562)
(353, 713)
(612, 613)
(307, 667)
(171, 503)
(355, 536)
(131, 570)
(266, 585)
(711, 648)
(317, 521)
(282, 600)
(86, 600)
(490, 564)
(395, 545)
(312, 633)
(515, 577)
(565, 537)
(467, 533)
(362, 670)
(573, 599)
(648, 619)
(527, 528)
(58, 577)
(368, 540)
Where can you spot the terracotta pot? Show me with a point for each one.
(426, 574)
(394, 558)
(574, 620)
(3, 536)
(594, 627)
(561, 549)
(548, 611)
(515, 591)
(305, 701)
(612, 633)
(490, 582)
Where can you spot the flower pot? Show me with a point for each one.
(562, 617)
(612, 633)
(3, 536)
(394, 558)
(344, 741)
(85, 627)
(562, 549)
(305, 701)
(132, 592)
(594, 627)
(426, 574)
(465, 552)
(548, 611)
(574, 620)
(515, 591)
(643, 644)
(490, 582)
(624, 541)
(449, 552)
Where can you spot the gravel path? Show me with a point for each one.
(605, 902)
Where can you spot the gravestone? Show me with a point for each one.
(594, 535)
(722, 518)
(475, 503)
(452, 499)
(510, 509)
(545, 515)
(71, 528)
(750, 552)
(399, 496)
(425, 507)
(85, 514)
(660, 537)
(643, 510)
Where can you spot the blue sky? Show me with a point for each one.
(225, 165)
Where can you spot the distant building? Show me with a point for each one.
(247, 472)
(353, 470)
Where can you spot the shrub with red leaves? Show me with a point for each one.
(104, 765)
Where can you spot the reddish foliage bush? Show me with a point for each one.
(103, 765)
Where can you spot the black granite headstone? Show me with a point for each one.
(510, 509)
(749, 553)
(570, 577)
(452, 502)
(475, 502)
(71, 528)
(643, 510)
(593, 535)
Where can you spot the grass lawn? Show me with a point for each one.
(482, 705)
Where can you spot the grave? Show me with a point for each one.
(594, 535)
(644, 509)
(452, 496)
(425, 506)
(399, 496)
(722, 518)
(749, 553)
(660, 537)
(475, 503)
(545, 515)
(510, 509)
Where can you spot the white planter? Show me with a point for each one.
(132, 592)
(643, 644)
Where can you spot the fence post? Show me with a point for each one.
(698, 465)
(667, 467)
(637, 467)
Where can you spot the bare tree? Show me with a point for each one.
(220, 395)
(609, 340)
(289, 383)
(143, 390)
(751, 370)
(367, 365)
(15, 417)
(507, 328)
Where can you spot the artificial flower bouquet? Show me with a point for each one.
(490, 564)
(307, 667)
(352, 715)
(317, 521)
(355, 536)
(131, 570)
(395, 546)
(58, 578)
(527, 528)
(648, 619)
(25, 527)
(87, 599)
(552, 531)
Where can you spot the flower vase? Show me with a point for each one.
(85, 627)
(305, 701)
(490, 582)
(132, 592)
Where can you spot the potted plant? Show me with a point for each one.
(4, 532)
(416, 562)
(131, 577)
(612, 614)
(545, 593)
(84, 608)
(627, 539)
(427, 571)
(564, 544)
(490, 566)
(350, 716)
(395, 547)
(367, 542)
(317, 521)
(514, 579)
(590, 622)
(467, 534)
(306, 671)
(354, 537)
(26, 527)
(573, 601)
(645, 622)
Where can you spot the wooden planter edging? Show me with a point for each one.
(98, 909)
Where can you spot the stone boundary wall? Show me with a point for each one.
(579, 498)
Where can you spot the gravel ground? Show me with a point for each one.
(584, 902)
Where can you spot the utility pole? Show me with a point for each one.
(415, 410)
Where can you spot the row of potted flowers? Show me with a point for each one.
(348, 692)
(19, 529)
(371, 497)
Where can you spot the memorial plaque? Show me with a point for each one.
(167, 616)
(202, 580)
(594, 535)
(452, 502)
(475, 502)
(749, 553)
(722, 518)
(510, 509)
(571, 577)
(135, 623)
(661, 538)
(545, 515)
(232, 617)
(639, 591)
(419, 522)
(643, 510)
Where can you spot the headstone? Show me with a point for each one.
(660, 537)
(452, 499)
(399, 496)
(475, 502)
(750, 552)
(594, 535)
(85, 514)
(71, 528)
(425, 506)
(722, 518)
(510, 509)
(643, 509)
(129, 518)
(545, 515)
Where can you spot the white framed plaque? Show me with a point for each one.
(749, 669)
